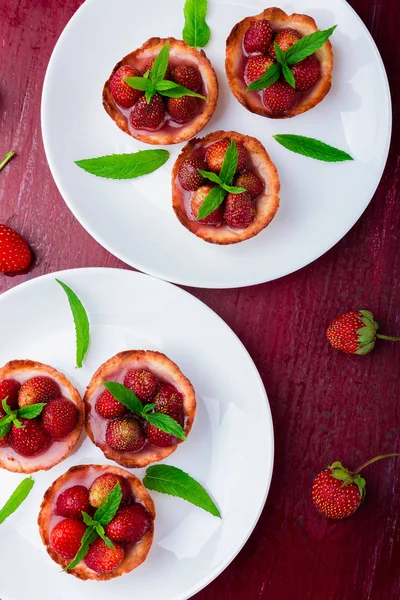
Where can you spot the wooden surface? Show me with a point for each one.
(326, 406)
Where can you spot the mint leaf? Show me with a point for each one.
(160, 64)
(312, 148)
(5, 406)
(4, 429)
(307, 45)
(214, 198)
(288, 75)
(211, 176)
(87, 519)
(107, 511)
(229, 164)
(125, 166)
(17, 498)
(100, 531)
(125, 396)
(81, 323)
(148, 408)
(88, 538)
(232, 189)
(174, 90)
(7, 158)
(140, 83)
(280, 55)
(196, 32)
(266, 80)
(31, 411)
(166, 424)
(173, 481)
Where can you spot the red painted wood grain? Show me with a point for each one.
(326, 406)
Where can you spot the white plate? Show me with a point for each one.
(230, 449)
(134, 219)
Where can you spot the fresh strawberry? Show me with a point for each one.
(59, 418)
(30, 439)
(187, 76)
(159, 438)
(239, 210)
(14, 251)
(105, 484)
(149, 65)
(168, 400)
(9, 389)
(66, 536)
(103, 559)
(279, 97)
(215, 155)
(285, 38)
(256, 66)
(125, 434)
(108, 407)
(72, 501)
(4, 440)
(198, 197)
(355, 332)
(337, 493)
(250, 182)
(129, 525)
(181, 110)
(122, 93)
(143, 383)
(148, 116)
(38, 389)
(306, 73)
(188, 174)
(258, 37)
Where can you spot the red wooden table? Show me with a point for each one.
(326, 406)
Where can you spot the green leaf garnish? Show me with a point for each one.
(31, 411)
(266, 80)
(214, 198)
(211, 176)
(88, 538)
(140, 83)
(233, 189)
(288, 75)
(166, 424)
(229, 164)
(125, 166)
(81, 323)
(280, 55)
(4, 429)
(107, 511)
(160, 64)
(12, 416)
(307, 45)
(7, 158)
(196, 32)
(173, 481)
(17, 498)
(124, 395)
(312, 148)
(174, 90)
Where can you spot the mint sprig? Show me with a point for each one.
(216, 195)
(305, 47)
(81, 321)
(129, 399)
(154, 81)
(175, 482)
(312, 148)
(102, 517)
(17, 498)
(196, 32)
(12, 417)
(125, 166)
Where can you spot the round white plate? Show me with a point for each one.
(134, 219)
(230, 449)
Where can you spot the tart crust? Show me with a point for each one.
(267, 204)
(163, 367)
(134, 556)
(9, 459)
(305, 25)
(178, 48)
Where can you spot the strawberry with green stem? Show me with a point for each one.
(338, 492)
(356, 332)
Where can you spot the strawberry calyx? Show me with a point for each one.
(338, 471)
(367, 334)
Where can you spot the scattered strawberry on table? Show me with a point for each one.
(15, 254)
(355, 332)
(338, 492)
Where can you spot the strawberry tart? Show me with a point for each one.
(162, 119)
(41, 416)
(84, 489)
(250, 52)
(128, 438)
(239, 216)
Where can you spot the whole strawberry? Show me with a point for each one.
(15, 254)
(122, 93)
(258, 37)
(197, 199)
(38, 389)
(66, 536)
(108, 407)
(337, 492)
(256, 66)
(59, 418)
(30, 439)
(279, 98)
(125, 435)
(72, 501)
(168, 400)
(143, 383)
(182, 109)
(239, 210)
(129, 525)
(355, 332)
(189, 176)
(250, 182)
(188, 76)
(9, 389)
(215, 155)
(103, 559)
(150, 115)
(306, 73)
(103, 485)
(285, 38)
